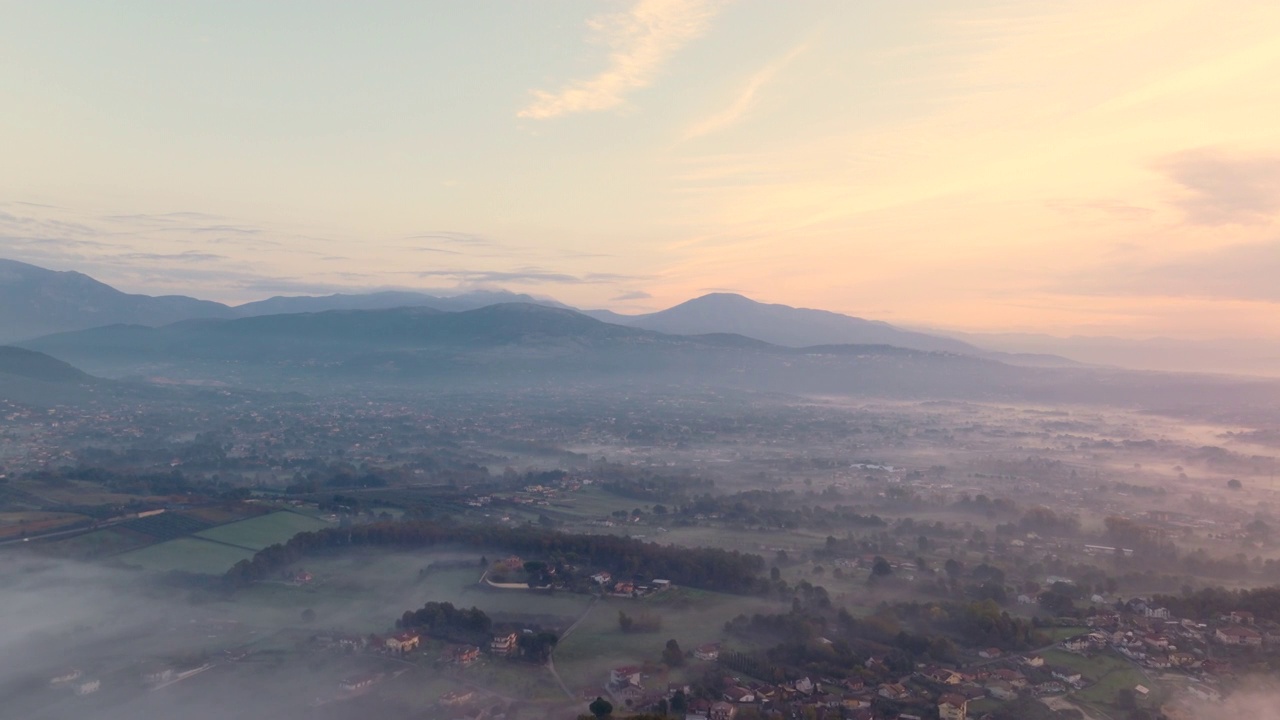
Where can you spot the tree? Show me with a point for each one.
(672, 655)
(1234, 484)
(1057, 602)
(600, 707)
(881, 568)
(679, 703)
(1126, 699)
(308, 615)
(537, 647)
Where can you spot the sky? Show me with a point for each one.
(1069, 167)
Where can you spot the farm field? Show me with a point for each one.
(97, 544)
(80, 493)
(220, 515)
(263, 531)
(16, 524)
(749, 541)
(188, 554)
(1058, 634)
(513, 678)
(167, 526)
(592, 503)
(368, 592)
(691, 617)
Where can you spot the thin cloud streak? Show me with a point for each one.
(642, 40)
(746, 99)
(633, 295)
(528, 275)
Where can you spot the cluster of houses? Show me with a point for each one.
(407, 641)
(825, 699)
(74, 680)
(461, 655)
(540, 494)
(628, 588)
(358, 684)
(1145, 634)
(950, 691)
(1149, 636)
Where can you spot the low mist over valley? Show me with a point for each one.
(640, 360)
(516, 509)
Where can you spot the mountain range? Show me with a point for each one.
(780, 325)
(36, 302)
(397, 342)
(518, 346)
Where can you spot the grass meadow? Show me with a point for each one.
(263, 531)
(690, 617)
(188, 554)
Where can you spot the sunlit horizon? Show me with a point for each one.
(1068, 168)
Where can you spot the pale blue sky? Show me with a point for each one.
(1038, 165)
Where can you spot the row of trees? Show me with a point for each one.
(1207, 603)
(709, 568)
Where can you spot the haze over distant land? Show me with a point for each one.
(985, 167)
(640, 359)
(35, 302)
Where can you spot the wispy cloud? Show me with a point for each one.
(641, 41)
(456, 238)
(1243, 271)
(633, 295)
(527, 275)
(189, 256)
(746, 98)
(1225, 189)
(227, 229)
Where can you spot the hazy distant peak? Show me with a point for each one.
(726, 312)
(35, 301)
(12, 271)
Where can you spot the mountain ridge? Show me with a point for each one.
(33, 365)
(35, 301)
(513, 347)
(782, 324)
(31, 307)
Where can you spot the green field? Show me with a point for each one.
(1058, 634)
(367, 591)
(96, 544)
(1106, 673)
(187, 554)
(263, 531)
(1104, 692)
(591, 503)
(691, 617)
